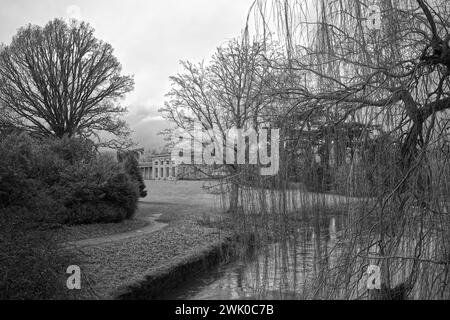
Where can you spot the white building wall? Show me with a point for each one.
(160, 168)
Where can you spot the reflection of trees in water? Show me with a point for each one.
(308, 261)
(282, 269)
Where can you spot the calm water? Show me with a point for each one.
(278, 271)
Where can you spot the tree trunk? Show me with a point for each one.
(234, 198)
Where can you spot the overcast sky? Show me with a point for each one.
(149, 38)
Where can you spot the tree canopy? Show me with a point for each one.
(61, 80)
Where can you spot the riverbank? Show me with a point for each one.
(162, 280)
(111, 265)
(189, 218)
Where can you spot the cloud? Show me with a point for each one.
(147, 133)
(153, 119)
(149, 38)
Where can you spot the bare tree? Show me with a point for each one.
(61, 80)
(385, 64)
(229, 93)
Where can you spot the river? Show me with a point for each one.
(279, 271)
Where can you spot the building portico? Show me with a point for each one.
(161, 167)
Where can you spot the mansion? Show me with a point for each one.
(162, 167)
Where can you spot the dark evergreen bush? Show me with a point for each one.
(45, 183)
(131, 165)
(78, 185)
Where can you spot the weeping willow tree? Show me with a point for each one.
(363, 111)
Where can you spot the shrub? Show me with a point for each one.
(70, 187)
(74, 150)
(99, 191)
(123, 192)
(44, 183)
(131, 165)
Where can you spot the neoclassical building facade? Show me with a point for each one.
(162, 167)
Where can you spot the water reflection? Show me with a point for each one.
(281, 270)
